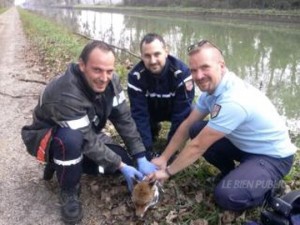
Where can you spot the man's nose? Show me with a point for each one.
(152, 59)
(104, 76)
(199, 74)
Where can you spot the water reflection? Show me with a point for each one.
(268, 57)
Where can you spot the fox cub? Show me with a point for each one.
(145, 194)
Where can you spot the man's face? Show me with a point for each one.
(154, 56)
(207, 68)
(98, 70)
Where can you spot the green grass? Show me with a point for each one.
(2, 10)
(55, 44)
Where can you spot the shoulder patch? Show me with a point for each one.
(189, 85)
(177, 72)
(215, 111)
(137, 74)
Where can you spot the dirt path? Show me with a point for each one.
(26, 199)
(23, 196)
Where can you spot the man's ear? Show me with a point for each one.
(223, 66)
(81, 65)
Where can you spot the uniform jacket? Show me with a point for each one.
(68, 101)
(164, 97)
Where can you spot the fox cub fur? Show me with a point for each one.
(145, 194)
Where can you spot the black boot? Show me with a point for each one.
(48, 171)
(71, 209)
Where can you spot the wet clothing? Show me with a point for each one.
(164, 97)
(69, 102)
(255, 136)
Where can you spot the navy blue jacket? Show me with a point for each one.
(164, 97)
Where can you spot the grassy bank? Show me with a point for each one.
(188, 195)
(2, 10)
(291, 16)
(56, 46)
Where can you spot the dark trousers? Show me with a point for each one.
(67, 145)
(246, 184)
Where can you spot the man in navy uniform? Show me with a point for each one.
(160, 88)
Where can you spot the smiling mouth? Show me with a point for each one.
(201, 82)
(154, 65)
(100, 84)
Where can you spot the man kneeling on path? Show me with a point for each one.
(244, 127)
(67, 123)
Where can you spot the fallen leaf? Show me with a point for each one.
(171, 216)
(199, 222)
(199, 197)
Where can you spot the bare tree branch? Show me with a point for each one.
(19, 96)
(33, 81)
(113, 46)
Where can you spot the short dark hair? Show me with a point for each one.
(148, 38)
(84, 55)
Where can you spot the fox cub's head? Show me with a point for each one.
(145, 194)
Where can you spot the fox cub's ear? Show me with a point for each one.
(152, 183)
(135, 181)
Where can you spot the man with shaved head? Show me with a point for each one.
(245, 137)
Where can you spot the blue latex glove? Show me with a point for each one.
(145, 167)
(130, 173)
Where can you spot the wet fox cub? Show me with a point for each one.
(145, 194)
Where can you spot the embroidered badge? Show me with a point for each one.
(189, 85)
(215, 111)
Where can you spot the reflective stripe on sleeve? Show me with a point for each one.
(177, 72)
(75, 124)
(155, 95)
(101, 169)
(137, 74)
(119, 99)
(185, 80)
(134, 87)
(68, 162)
(188, 78)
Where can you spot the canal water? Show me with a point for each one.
(265, 54)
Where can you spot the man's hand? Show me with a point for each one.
(160, 175)
(160, 162)
(145, 167)
(130, 173)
